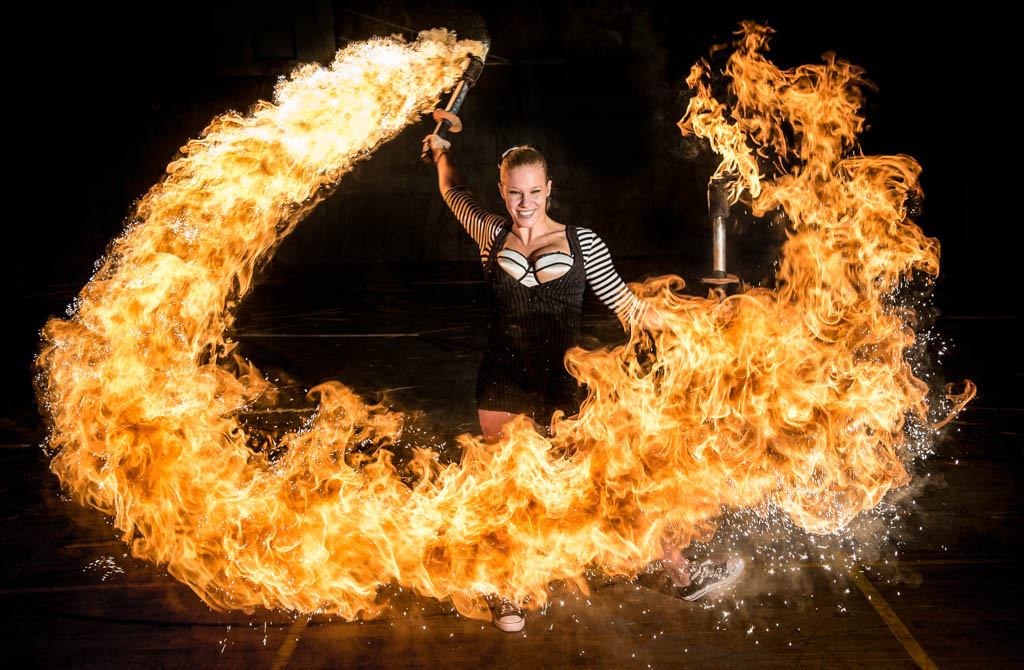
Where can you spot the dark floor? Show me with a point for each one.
(937, 590)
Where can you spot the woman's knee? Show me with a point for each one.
(491, 423)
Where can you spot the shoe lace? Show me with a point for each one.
(708, 571)
(506, 607)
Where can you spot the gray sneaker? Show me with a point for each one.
(711, 577)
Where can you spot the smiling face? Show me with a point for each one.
(525, 189)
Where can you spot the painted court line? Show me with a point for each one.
(326, 335)
(105, 586)
(94, 544)
(291, 640)
(900, 631)
(261, 334)
(918, 562)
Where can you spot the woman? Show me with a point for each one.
(538, 269)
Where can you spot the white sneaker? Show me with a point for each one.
(711, 577)
(507, 616)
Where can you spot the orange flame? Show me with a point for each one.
(796, 397)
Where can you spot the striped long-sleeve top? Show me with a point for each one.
(485, 227)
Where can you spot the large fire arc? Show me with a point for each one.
(797, 397)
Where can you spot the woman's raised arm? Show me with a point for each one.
(482, 226)
(447, 175)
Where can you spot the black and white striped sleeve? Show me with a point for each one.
(605, 281)
(482, 226)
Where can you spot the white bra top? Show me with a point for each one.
(546, 267)
(486, 227)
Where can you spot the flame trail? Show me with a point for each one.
(797, 397)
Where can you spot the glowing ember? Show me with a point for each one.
(796, 398)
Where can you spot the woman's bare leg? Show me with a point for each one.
(506, 615)
(491, 422)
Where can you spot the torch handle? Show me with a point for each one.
(454, 105)
(441, 130)
(469, 78)
(718, 209)
(718, 245)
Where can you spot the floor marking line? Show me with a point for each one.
(899, 630)
(291, 640)
(103, 586)
(950, 561)
(94, 544)
(83, 587)
(919, 563)
(327, 335)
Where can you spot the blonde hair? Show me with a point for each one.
(523, 154)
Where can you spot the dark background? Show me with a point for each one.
(99, 100)
(102, 99)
